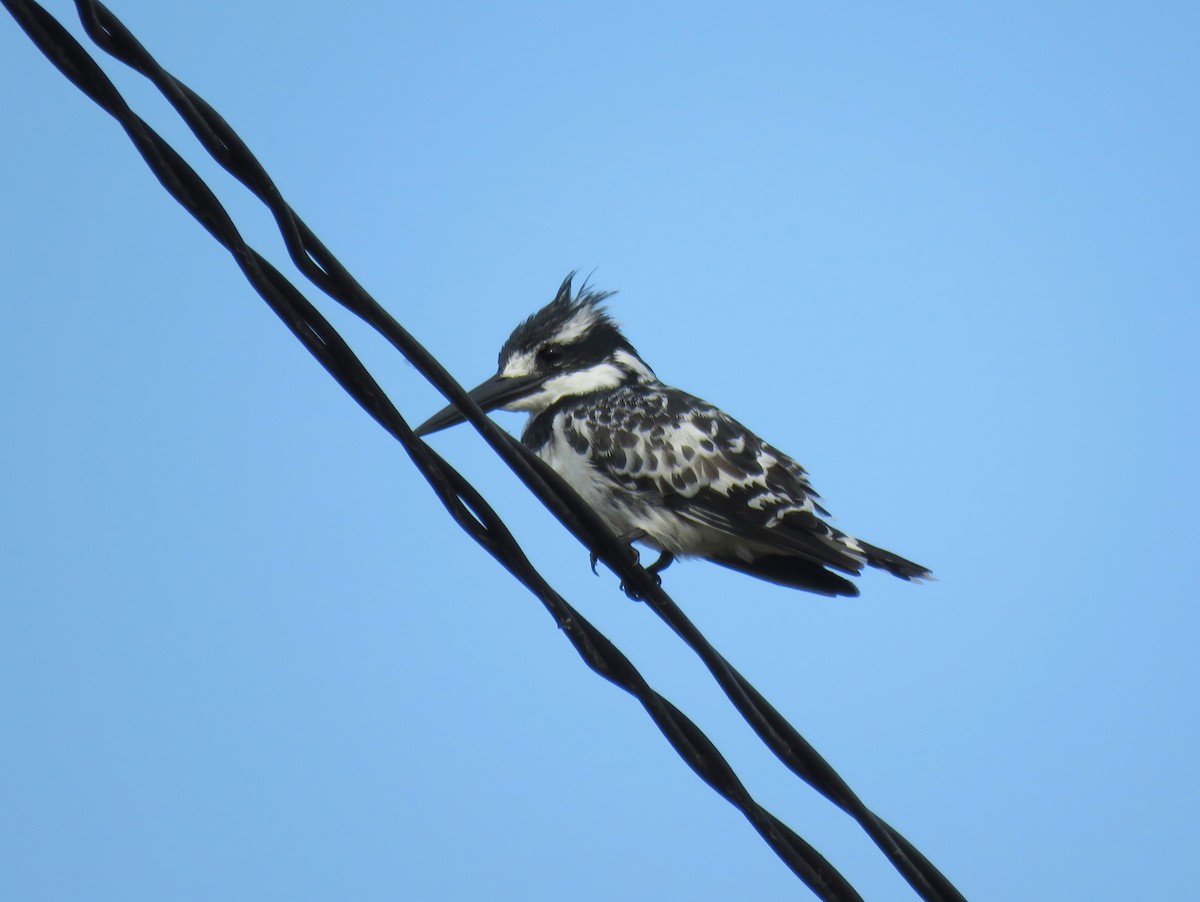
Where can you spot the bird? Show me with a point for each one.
(661, 466)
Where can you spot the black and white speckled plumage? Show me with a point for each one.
(662, 465)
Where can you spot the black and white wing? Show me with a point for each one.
(705, 467)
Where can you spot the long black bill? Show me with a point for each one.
(496, 392)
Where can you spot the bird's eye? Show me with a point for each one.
(550, 355)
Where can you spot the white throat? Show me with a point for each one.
(601, 377)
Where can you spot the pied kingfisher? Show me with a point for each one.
(659, 465)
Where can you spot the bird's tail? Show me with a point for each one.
(794, 572)
(893, 563)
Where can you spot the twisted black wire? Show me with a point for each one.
(467, 507)
(323, 269)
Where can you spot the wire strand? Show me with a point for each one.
(465, 505)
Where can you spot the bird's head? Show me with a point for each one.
(570, 347)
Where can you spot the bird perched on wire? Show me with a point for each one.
(659, 465)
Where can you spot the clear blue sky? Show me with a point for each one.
(946, 257)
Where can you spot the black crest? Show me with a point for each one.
(548, 321)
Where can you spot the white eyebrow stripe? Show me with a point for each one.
(577, 326)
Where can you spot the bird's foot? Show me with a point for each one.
(664, 561)
(655, 570)
(627, 539)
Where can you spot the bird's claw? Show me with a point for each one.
(627, 540)
(633, 594)
(655, 573)
(594, 559)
